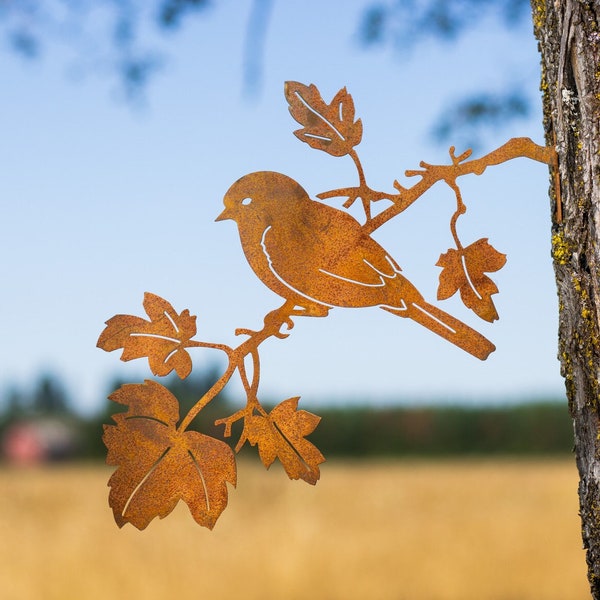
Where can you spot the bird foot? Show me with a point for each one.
(276, 319)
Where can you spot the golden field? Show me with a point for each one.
(414, 530)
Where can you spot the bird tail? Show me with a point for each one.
(448, 327)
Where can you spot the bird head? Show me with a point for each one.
(259, 196)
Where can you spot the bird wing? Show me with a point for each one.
(324, 254)
(346, 251)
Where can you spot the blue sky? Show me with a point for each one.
(100, 202)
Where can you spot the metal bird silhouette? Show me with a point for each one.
(319, 257)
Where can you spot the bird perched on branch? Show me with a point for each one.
(319, 257)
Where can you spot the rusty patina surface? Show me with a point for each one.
(316, 258)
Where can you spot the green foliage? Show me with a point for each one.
(46, 397)
(409, 22)
(108, 34)
(528, 429)
(534, 428)
(463, 120)
(407, 25)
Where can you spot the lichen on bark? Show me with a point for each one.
(569, 41)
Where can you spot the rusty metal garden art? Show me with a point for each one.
(316, 257)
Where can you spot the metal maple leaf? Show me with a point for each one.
(327, 127)
(162, 339)
(158, 464)
(465, 270)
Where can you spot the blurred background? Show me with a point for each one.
(123, 124)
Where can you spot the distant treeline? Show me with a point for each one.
(359, 432)
(532, 428)
(536, 428)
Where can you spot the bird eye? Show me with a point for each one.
(247, 201)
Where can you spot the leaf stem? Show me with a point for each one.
(461, 209)
(197, 344)
(363, 188)
(361, 173)
(362, 191)
(208, 397)
(273, 322)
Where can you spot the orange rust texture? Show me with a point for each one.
(316, 257)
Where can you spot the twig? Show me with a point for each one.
(431, 174)
(273, 322)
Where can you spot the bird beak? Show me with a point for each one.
(226, 214)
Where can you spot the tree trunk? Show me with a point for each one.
(569, 38)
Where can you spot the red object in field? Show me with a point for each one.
(22, 445)
(37, 441)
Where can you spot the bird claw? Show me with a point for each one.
(289, 324)
(276, 319)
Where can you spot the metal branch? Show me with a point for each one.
(431, 174)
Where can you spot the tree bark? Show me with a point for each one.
(568, 32)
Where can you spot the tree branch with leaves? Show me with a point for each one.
(159, 461)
